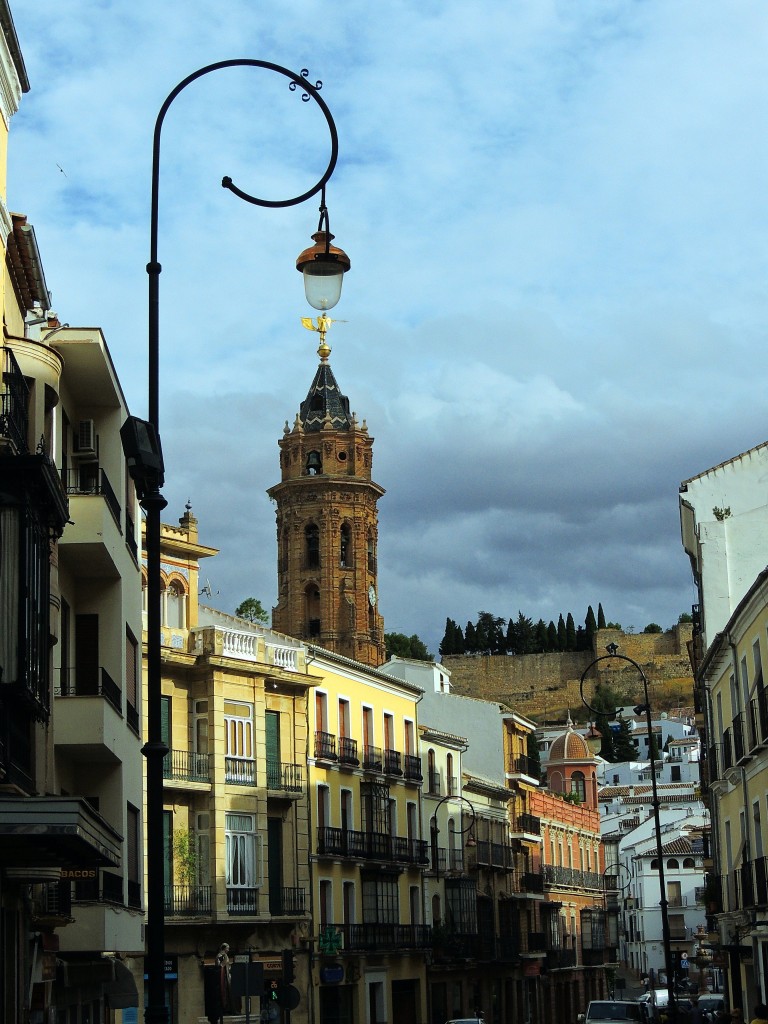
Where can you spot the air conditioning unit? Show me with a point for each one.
(86, 438)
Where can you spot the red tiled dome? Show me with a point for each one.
(570, 747)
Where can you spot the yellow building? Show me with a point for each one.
(234, 712)
(368, 854)
(732, 685)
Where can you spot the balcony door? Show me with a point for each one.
(275, 860)
(272, 726)
(87, 654)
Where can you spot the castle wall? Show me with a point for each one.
(547, 685)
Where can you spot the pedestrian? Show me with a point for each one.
(761, 1014)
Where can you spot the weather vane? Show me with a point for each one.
(323, 325)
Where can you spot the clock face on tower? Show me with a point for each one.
(372, 596)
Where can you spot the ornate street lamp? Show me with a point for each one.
(434, 831)
(613, 655)
(323, 267)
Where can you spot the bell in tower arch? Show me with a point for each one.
(314, 463)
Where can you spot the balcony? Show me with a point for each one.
(523, 765)
(448, 861)
(496, 856)
(92, 683)
(348, 752)
(285, 778)
(412, 764)
(372, 759)
(739, 737)
(14, 402)
(758, 709)
(93, 543)
(528, 824)
(378, 936)
(101, 887)
(392, 763)
(532, 881)
(186, 766)
(537, 942)
(349, 843)
(188, 901)
(571, 878)
(288, 902)
(434, 784)
(242, 900)
(560, 959)
(240, 771)
(325, 746)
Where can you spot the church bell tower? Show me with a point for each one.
(327, 524)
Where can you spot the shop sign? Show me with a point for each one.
(332, 974)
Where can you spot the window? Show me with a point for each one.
(450, 781)
(133, 867)
(414, 904)
(175, 612)
(242, 864)
(389, 732)
(321, 711)
(326, 902)
(314, 464)
(371, 551)
(461, 905)
(131, 670)
(203, 838)
(239, 761)
(758, 830)
(579, 786)
(345, 546)
(674, 894)
(380, 898)
(348, 894)
(675, 774)
(312, 541)
(312, 610)
(375, 808)
(323, 806)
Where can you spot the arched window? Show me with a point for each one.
(673, 863)
(312, 540)
(433, 780)
(451, 782)
(345, 546)
(312, 610)
(689, 862)
(314, 464)
(579, 785)
(175, 611)
(371, 552)
(655, 864)
(436, 910)
(284, 551)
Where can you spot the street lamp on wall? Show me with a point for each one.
(323, 267)
(434, 830)
(645, 708)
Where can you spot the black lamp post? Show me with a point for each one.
(434, 831)
(323, 267)
(613, 654)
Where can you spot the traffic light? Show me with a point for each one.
(271, 990)
(289, 966)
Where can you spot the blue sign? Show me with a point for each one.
(332, 974)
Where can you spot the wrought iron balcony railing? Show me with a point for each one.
(187, 766)
(83, 481)
(288, 902)
(74, 682)
(285, 777)
(372, 759)
(338, 842)
(529, 823)
(325, 746)
(240, 771)
(377, 936)
(242, 900)
(14, 402)
(348, 751)
(392, 762)
(188, 900)
(412, 766)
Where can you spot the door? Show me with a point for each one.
(274, 773)
(275, 864)
(86, 654)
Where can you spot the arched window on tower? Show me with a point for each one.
(345, 546)
(579, 786)
(312, 610)
(371, 552)
(314, 463)
(312, 538)
(175, 611)
(284, 551)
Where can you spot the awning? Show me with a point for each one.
(51, 831)
(121, 992)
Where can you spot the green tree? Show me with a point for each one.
(252, 610)
(685, 617)
(562, 637)
(590, 625)
(607, 746)
(523, 634)
(470, 639)
(570, 633)
(600, 617)
(653, 748)
(448, 644)
(540, 638)
(551, 636)
(534, 755)
(653, 627)
(490, 633)
(623, 744)
(403, 646)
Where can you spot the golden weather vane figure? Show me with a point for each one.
(323, 325)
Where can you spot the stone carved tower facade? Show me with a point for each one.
(327, 526)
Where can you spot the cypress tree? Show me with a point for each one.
(562, 638)
(570, 633)
(590, 625)
(448, 642)
(540, 639)
(600, 617)
(551, 636)
(470, 639)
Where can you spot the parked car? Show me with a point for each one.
(613, 1011)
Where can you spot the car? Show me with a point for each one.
(466, 1020)
(613, 1011)
(712, 1004)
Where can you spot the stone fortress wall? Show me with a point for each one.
(546, 686)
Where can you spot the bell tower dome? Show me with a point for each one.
(327, 525)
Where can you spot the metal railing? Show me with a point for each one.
(392, 762)
(337, 842)
(287, 902)
(97, 683)
(412, 767)
(524, 765)
(188, 900)
(285, 777)
(571, 877)
(14, 402)
(378, 935)
(187, 766)
(529, 823)
(81, 481)
(434, 783)
(348, 751)
(242, 901)
(372, 759)
(240, 771)
(325, 746)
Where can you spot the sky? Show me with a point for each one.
(557, 307)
